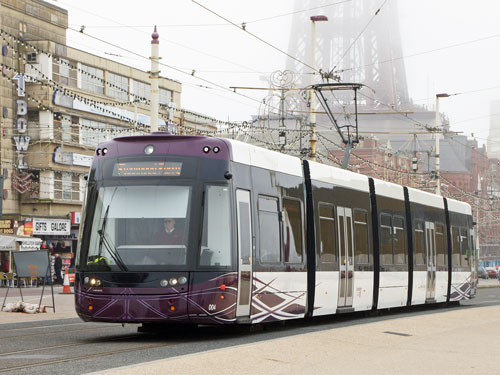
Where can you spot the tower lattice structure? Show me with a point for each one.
(370, 55)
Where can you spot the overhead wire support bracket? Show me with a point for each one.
(348, 139)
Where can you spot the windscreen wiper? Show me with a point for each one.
(109, 247)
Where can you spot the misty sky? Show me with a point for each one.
(193, 38)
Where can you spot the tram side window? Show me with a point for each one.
(327, 251)
(269, 230)
(419, 243)
(465, 255)
(361, 249)
(399, 240)
(292, 231)
(386, 239)
(442, 258)
(215, 247)
(455, 235)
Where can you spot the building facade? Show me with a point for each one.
(57, 104)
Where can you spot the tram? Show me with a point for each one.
(200, 230)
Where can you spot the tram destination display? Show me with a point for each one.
(147, 168)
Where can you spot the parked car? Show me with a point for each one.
(482, 273)
(492, 272)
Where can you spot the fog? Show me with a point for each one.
(448, 46)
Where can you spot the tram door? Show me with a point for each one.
(430, 236)
(346, 256)
(245, 236)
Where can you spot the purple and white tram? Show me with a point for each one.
(263, 237)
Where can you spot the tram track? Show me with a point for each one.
(82, 357)
(58, 332)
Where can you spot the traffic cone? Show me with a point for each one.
(66, 287)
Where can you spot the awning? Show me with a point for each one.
(29, 243)
(7, 243)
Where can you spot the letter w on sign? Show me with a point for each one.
(22, 142)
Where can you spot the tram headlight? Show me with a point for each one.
(93, 282)
(164, 283)
(173, 281)
(216, 149)
(149, 149)
(86, 280)
(183, 280)
(206, 149)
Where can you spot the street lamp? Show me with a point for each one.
(438, 125)
(312, 95)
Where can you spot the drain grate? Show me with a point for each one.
(397, 333)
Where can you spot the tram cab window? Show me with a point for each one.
(292, 231)
(361, 236)
(269, 230)
(442, 258)
(125, 221)
(327, 250)
(215, 247)
(455, 235)
(419, 243)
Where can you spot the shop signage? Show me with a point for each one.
(51, 226)
(8, 226)
(71, 158)
(21, 140)
(76, 216)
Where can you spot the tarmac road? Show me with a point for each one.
(428, 340)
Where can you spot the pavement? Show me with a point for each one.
(446, 341)
(64, 304)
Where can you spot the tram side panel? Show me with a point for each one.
(430, 254)
(280, 277)
(343, 238)
(461, 234)
(393, 247)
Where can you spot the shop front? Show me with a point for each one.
(8, 244)
(58, 237)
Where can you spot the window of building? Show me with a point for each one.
(269, 230)
(419, 243)
(292, 230)
(361, 248)
(327, 248)
(92, 132)
(66, 186)
(386, 239)
(63, 72)
(442, 258)
(92, 79)
(165, 96)
(118, 86)
(141, 90)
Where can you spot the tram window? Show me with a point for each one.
(360, 236)
(465, 254)
(399, 240)
(455, 235)
(269, 230)
(386, 239)
(215, 247)
(419, 243)
(327, 233)
(292, 231)
(440, 249)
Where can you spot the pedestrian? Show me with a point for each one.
(58, 269)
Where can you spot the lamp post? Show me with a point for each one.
(312, 95)
(438, 133)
